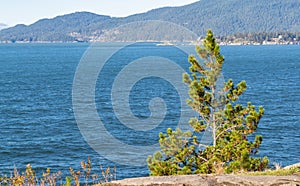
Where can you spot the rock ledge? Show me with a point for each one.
(210, 180)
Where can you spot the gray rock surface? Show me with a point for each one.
(209, 180)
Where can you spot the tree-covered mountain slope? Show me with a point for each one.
(223, 17)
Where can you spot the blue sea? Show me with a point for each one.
(37, 120)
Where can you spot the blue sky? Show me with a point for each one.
(14, 12)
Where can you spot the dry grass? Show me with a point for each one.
(85, 176)
(278, 172)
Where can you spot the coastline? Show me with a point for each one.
(161, 43)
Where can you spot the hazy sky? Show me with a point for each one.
(14, 12)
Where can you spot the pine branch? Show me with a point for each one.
(226, 130)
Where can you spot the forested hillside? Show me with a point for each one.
(223, 17)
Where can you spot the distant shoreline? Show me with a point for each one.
(161, 43)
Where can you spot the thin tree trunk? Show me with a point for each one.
(213, 116)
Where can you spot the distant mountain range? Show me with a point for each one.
(2, 26)
(223, 17)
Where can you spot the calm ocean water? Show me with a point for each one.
(37, 121)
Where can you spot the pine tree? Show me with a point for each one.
(230, 124)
